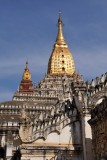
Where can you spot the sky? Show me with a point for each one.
(28, 30)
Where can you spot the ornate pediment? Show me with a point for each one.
(44, 123)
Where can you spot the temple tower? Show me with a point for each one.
(26, 85)
(61, 60)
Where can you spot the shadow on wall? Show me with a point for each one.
(89, 150)
(2, 153)
(17, 155)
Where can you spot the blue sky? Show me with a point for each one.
(28, 30)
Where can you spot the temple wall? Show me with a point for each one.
(71, 134)
(88, 138)
(48, 149)
(52, 138)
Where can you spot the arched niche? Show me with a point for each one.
(99, 96)
(41, 139)
(53, 137)
(66, 134)
(99, 101)
(71, 134)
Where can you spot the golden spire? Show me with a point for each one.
(61, 60)
(60, 38)
(26, 74)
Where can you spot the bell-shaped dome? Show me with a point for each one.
(26, 74)
(61, 60)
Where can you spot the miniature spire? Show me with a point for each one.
(60, 38)
(26, 74)
(26, 85)
(78, 77)
(26, 64)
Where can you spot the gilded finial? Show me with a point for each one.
(60, 38)
(26, 74)
(27, 64)
(59, 13)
